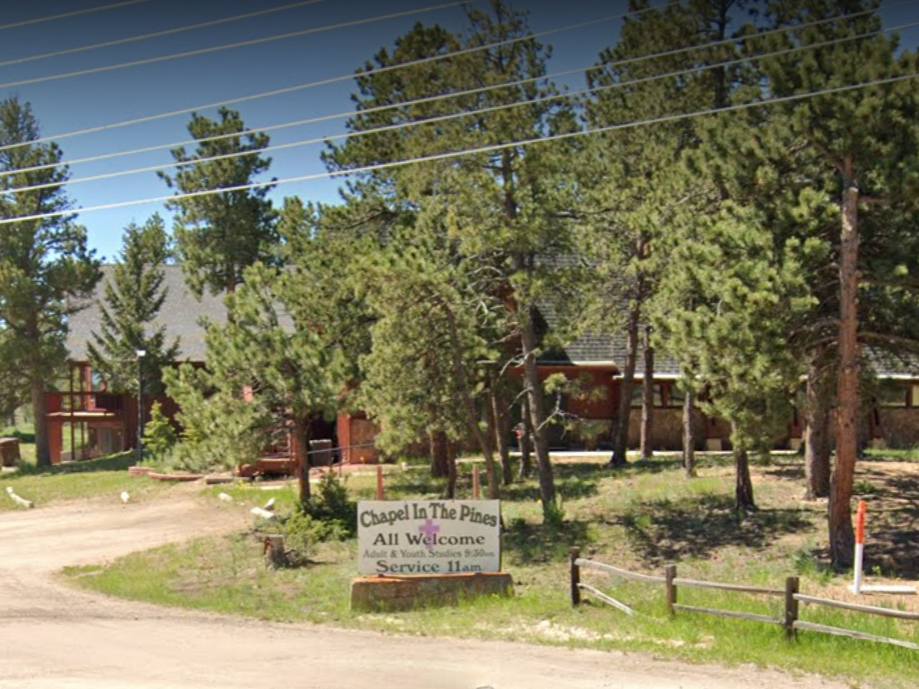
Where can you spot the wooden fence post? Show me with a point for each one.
(575, 577)
(792, 585)
(669, 576)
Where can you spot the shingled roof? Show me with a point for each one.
(593, 348)
(182, 314)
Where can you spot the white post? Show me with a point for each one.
(859, 547)
(859, 562)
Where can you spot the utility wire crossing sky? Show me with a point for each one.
(118, 80)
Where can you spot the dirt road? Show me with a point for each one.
(55, 637)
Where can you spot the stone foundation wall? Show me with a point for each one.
(376, 594)
(899, 426)
(667, 430)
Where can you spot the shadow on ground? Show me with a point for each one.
(524, 543)
(892, 544)
(662, 531)
(572, 481)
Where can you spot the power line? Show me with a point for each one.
(456, 94)
(322, 82)
(65, 15)
(456, 115)
(157, 34)
(287, 125)
(493, 148)
(228, 46)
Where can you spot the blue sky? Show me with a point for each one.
(70, 104)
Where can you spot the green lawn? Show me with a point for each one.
(909, 454)
(639, 518)
(103, 478)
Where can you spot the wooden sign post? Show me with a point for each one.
(433, 552)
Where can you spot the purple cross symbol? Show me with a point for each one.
(429, 529)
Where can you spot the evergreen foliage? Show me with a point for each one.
(865, 145)
(270, 369)
(133, 297)
(748, 296)
(494, 210)
(159, 434)
(630, 180)
(46, 268)
(219, 235)
(424, 374)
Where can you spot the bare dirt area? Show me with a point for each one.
(52, 635)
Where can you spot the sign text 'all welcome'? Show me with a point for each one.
(429, 537)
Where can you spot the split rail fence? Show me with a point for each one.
(792, 596)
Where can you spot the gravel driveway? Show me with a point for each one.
(55, 636)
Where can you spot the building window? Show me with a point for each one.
(675, 396)
(638, 391)
(97, 382)
(892, 393)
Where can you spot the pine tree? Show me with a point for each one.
(496, 208)
(45, 266)
(133, 297)
(159, 434)
(629, 184)
(219, 235)
(749, 294)
(267, 371)
(867, 142)
(424, 375)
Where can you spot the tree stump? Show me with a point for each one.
(273, 552)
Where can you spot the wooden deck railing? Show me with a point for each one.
(791, 594)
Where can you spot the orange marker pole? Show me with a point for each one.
(475, 481)
(379, 481)
(859, 546)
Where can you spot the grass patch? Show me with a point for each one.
(909, 454)
(637, 518)
(98, 478)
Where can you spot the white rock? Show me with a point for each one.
(264, 514)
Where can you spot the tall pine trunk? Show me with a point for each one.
(817, 432)
(647, 399)
(450, 448)
(621, 427)
(743, 484)
(689, 440)
(468, 402)
(536, 412)
(502, 432)
(302, 446)
(439, 455)
(526, 464)
(39, 412)
(841, 535)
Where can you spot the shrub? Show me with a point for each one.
(159, 435)
(302, 532)
(329, 516)
(330, 503)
